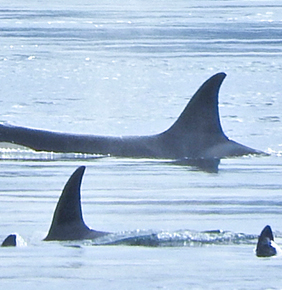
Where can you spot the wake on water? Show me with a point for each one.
(180, 238)
(15, 152)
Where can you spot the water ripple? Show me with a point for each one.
(182, 238)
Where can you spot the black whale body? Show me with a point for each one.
(197, 134)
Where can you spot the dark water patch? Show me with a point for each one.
(209, 165)
(273, 119)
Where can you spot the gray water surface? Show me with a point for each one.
(122, 68)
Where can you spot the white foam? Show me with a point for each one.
(20, 242)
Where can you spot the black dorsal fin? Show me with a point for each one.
(10, 241)
(67, 221)
(198, 128)
(201, 114)
(267, 233)
(264, 246)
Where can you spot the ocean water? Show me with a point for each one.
(130, 67)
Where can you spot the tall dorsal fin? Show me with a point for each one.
(265, 245)
(201, 114)
(67, 221)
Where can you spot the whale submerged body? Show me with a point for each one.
(196, 135)
(68, 225)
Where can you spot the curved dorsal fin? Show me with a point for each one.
(198, 127)
(67, 221)
(201, 114)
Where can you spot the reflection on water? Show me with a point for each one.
(21, 153)
(207, 165)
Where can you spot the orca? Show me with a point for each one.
(266, 247)
(196, 135)
(68, 223)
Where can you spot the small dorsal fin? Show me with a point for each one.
(14, 240)
(265, 245)
(10, 241)
(67, 221)
(267, 233)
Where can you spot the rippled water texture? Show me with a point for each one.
(130, 67)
